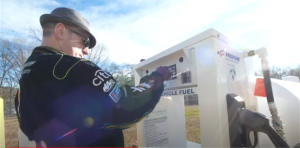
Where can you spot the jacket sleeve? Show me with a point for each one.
(137, 102)
(129, 105)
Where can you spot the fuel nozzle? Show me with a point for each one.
(257, 122)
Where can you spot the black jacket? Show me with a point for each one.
(67, 101)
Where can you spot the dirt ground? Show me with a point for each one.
(192, 129)
(11, 132)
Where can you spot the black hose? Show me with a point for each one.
(277, 124)
(268, 86)
(275, 138)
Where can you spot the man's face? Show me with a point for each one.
(73, 42)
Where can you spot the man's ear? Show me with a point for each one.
(60, 30)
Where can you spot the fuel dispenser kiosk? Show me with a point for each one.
(209, 65)
(221, 73)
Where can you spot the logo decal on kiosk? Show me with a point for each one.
(229, 56)
(232, 72)
(221, 52)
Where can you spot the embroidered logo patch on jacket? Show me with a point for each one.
(115, 94)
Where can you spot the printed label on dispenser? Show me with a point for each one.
(156, 129)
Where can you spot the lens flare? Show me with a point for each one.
(88, 121)
(42, 144)
(68, 133)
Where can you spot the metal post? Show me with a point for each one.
(2, 128)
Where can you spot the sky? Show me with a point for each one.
(139, 29)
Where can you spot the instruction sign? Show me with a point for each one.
(156, 129)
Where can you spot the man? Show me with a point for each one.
(65, 100)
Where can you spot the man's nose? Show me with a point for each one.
(86, 51)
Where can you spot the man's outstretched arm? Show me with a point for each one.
(130, 104)
(137, 102)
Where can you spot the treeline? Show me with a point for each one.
(14, 53)
(279, 72)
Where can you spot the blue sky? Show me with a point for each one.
(136, 29)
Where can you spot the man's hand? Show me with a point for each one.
(165, 72)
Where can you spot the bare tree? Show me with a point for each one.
(277, 72)
(8, 94)
(294, 71)
(5, 64)
(99, 55)
(35, 34)
(10, 69)
(123, 73)
(20, 51)
(112, 68)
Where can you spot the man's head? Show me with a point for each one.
(67, 39)
(66, 30)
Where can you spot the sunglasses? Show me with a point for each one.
(86, 42)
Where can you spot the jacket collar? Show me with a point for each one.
(47, 50)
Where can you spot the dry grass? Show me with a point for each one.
(192, 129)
(192, 123)
(130, 137)
(11, 132)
